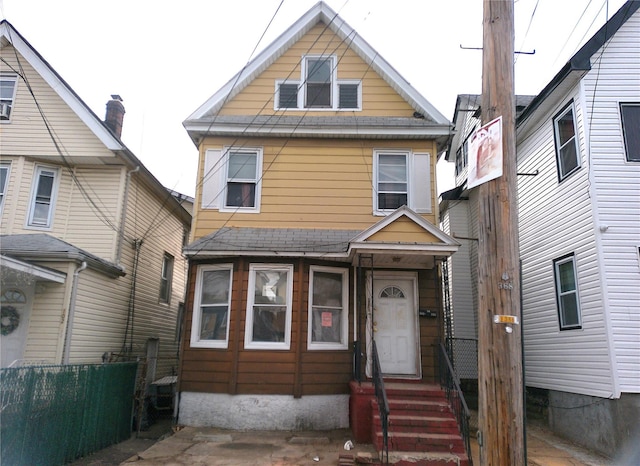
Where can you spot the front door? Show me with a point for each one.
(395, 323)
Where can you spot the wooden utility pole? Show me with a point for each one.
(500, 385)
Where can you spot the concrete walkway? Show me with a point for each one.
(210, 446)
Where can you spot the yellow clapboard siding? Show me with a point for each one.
(403, 230)
(378, 98)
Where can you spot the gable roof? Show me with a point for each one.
(9, 36)
(580, 63)
(320, 13)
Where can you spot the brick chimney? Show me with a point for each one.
(115, 114)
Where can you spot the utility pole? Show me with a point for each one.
(500, 384)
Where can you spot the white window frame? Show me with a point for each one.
(257, 180)
(625, 130)
(344, 316)
(42, 170)
(332, 85)
(9, 101)
(166, 277)
(276, 101)
(354, 82)
(376, 173)
(196, 319)
(6, 167)
(560, 294)
(248, 333)
(569, 108)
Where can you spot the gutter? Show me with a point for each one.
(72, 309)
(123, 217)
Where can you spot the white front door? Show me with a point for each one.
(16, 309)
(395, 324)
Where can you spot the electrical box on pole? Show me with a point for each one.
(500, 384)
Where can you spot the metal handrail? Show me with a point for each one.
(449, 381)
(381, 398)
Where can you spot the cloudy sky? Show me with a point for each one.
(165, 58)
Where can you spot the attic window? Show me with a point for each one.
(318, 88)
(7, 96)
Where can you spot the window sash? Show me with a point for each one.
(242, 178)
(318, 82)
(4, 183)
(567, 293)
(7, 93)
(328, 299)
(566, 140)
(212, 306)
(42, 198)
(166, 278)
(269, 304)
(392, 183)
(630, 118)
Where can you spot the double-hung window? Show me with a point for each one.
(7, 96)
(328, 319)
(401, 177)
(43, 197)
(166, 278)
(567, 153)
(318, 82)
(212, 306)
(243, 179)
(4, 183)
(567, 292)
(630, 115)
(268, 324)
(392, 180)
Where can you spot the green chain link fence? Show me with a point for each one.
(51, 415)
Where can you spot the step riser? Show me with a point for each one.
(422, 445)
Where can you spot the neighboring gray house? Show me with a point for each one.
(578, 150)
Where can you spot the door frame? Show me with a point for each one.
(375, 275)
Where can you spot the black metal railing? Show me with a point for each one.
(383, 402)
(451, 385)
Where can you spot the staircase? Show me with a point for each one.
(422, 428)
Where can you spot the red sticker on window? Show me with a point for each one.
(326, 319)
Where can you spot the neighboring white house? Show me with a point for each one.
(91, 262)
(578, 149)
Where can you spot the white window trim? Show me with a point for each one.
(337, 99)
(333, 87)
(14, 78)
(376, 154)
(558, 291)
(276, 99)
(225, 175)
(344, 339)
(54, 195)
(197, 311)
(248, 332)
(556, 140)
(7, 166)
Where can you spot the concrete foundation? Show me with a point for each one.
(609, 427)
(264, 412)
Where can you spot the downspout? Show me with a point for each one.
(72, 309)
(124, 213)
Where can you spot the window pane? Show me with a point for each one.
(327, 289)
(242, 165)
(570, 310)
(215, 287)
(392, 168)
(45, 188)
(213, 324)
(288, 96)
(270, 287)
(318, 95)
(327, 325)
(565, 127)
(631, 128)
(6, 89)
(567, 278)
(387, 201)
(318, 70)
(269, 323)
(568, 158)
(241, 194)
(3, 179)
(348, 97)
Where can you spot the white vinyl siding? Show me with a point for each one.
(556, 219)
(616, 193)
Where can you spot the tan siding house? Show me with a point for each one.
(91, 243)
(314, 234)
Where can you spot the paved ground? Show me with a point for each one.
(209, 446)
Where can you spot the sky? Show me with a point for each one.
(166, 58)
